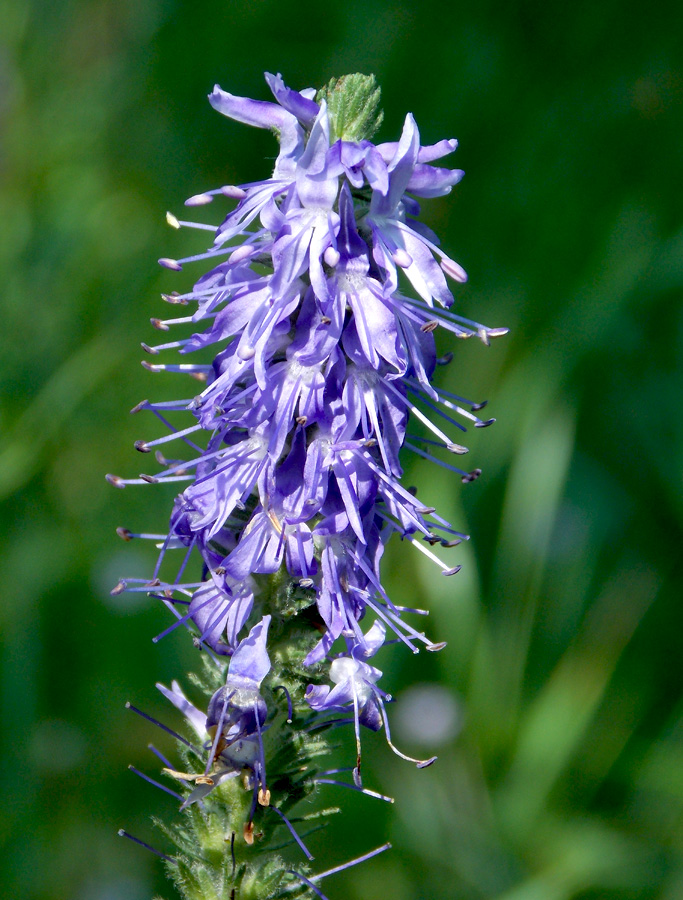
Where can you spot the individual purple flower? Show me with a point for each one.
(235, 719)
(355, 687)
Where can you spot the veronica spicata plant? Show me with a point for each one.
(313, 323)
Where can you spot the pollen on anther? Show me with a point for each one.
(124, 534)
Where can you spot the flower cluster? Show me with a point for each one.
(319, 308)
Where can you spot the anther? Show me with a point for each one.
(430, 326)
(119, 589)
(331, 257)
(198, 200)
(497, 332)
(150, 479)
(140, 406)
(149, 349)
(471, 476)
(475, 407)
(426, 510)
(124, 534)
(452, 268)
(264, 797)
(142, 447)
(457, 448)
(234, 192)
(325, 320)
(453, 571)
(172, 221)
(434, 648)
(402, 259)
(242, 253)
(445, 359)
(301, 420)
(172, 264)
(453, 543)
(484, 424)
(115, 480)
(159, 325)
(174, 297)
(248, 833)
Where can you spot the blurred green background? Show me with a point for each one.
(559, 721)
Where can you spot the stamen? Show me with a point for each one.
(165, 728)
(428, 553)
(263, 793)
(161, 787)
(420, 763)
(130, 837)
(354, 787)
(219, 732)
(160, 756)
(296, 837)
(352, 862)
(304, 880)
(281, 687)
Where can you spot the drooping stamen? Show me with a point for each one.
(292, 831)
(263, 792)
(357, 780)
(420, 763)
(281, 687)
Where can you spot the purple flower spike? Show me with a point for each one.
(314, 310)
